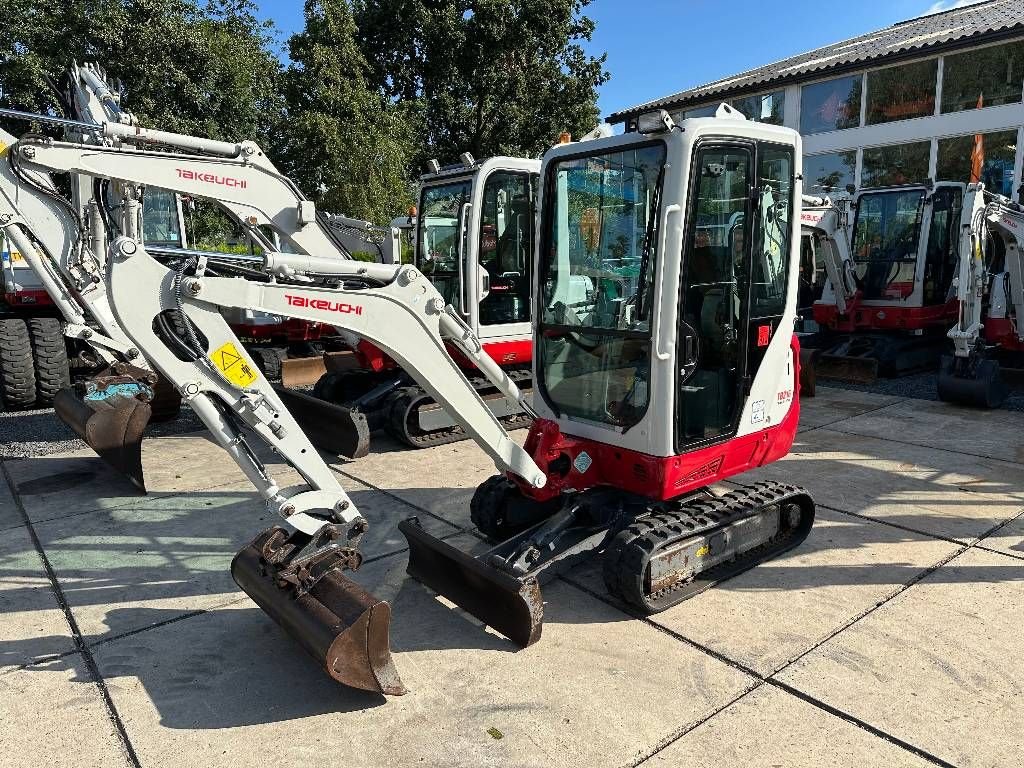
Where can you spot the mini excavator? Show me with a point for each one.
(664, 297)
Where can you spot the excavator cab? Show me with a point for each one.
(883, 312)
(665, 300)
(474, 241)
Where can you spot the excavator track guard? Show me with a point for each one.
(110, 412)
(340, 624)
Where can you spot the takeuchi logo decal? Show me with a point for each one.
(323, 304)
(211, 178)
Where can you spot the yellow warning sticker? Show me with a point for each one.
(3, 149)
(703, 551)
(16, 256)
(234, 365)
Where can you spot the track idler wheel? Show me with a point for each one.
(110, 413)
(499, 510)
(340, 624)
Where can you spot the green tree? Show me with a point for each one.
(487, 76)
(345, 144)
(207, 69)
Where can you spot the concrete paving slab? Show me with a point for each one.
(938, 666)
(226, 685)
(10, 516)
(32, 625)
(769, 729)
(173, 554)
(996, 434)
(1008, 539)
(771, 614)
(441, 479)
(65, 484)
(938, 492)
(53, 716)
(831, 405)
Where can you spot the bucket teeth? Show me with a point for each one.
(510, 605)
(110, 413)
(340, 624)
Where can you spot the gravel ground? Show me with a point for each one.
(922, 386)
(41, 433)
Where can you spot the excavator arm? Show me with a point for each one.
(294, 572)
(825, 220)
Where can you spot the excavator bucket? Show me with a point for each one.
(512, 606)
(110, 412)
(331, 428)
(859, 370)
(340, 624)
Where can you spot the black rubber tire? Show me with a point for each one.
(268, 360)
(17, 373)
(50, 355)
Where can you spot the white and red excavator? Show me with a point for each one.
(664, 290)
(890, 255)
(988, 338)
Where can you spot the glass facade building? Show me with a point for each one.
(951, 116)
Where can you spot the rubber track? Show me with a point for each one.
(51, 358)
(17, 373)
(626, 559)
(401, 415)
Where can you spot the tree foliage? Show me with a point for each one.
(206, 69)
(487, 76)
(346, 145)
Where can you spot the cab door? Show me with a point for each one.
(500, 262)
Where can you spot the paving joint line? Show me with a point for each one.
(396, 497)
(90, 662)
(187, 615)
(931, 447)
(848, 418)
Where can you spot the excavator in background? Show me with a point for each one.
(890, 255)
(681, 372)
(988, 338)
(473, 241)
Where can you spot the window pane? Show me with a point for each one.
(830, 106)
(886, 232)
(506, 245)
(684, 114)
(994, 153)
(899, 164)
(984, 77)
(763, 108)
(832, 172)
(160, 218)
(771, 244)
(438, 237)
(900, 93)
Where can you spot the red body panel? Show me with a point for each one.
(504, 353)
(655, 477)
(291, 329)
(1002, 332)
(868, 318)
(28, 299)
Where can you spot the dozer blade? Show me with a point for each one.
(330, 427)
(302, 371)
(808, 372)
(344, 627)
(512, 606)
(110, 413)
(859, 370)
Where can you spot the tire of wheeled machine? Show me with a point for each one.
(50, 358)
(17, 372)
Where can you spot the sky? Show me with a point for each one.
(658, 47)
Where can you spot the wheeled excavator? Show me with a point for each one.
(684, 375)
(890, 256)
(988, 337)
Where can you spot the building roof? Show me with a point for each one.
(955, 28)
